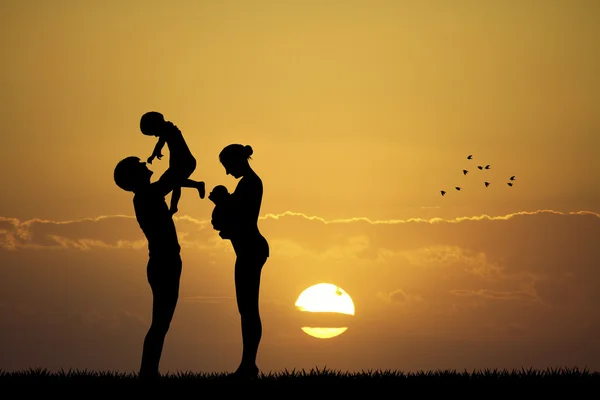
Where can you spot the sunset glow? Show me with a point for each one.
(360, 114)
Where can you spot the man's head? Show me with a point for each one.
(152, 123)
(130, 174)
(218, 193)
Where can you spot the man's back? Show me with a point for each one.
(156, 222)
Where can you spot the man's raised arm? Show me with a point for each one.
(168, 181)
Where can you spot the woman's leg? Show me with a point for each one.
(247, 287)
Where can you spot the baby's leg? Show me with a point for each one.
(185, 164)
(175, 196)
(199, 185)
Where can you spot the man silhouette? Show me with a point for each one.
(164, 263)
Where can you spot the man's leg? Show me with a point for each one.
(163, 276)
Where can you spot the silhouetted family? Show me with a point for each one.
(235, 216)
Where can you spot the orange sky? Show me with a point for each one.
(359, 113)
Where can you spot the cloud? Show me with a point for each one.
(208, 299)
(401, 297)
(520, 276)
(118, 231)
(423, 220)
(496, 295)
(121, 231)
(545, 254)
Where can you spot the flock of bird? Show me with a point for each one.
(480, 167)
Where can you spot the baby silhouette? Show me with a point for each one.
(221, 215)
(180, 157)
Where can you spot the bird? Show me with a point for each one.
(509, 184)
(470, 157)
(457, 188)
(487, 166)
(465, 172)
(443, 193)
(512, 178)
(480, 167)
(487, 184)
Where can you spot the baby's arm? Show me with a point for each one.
(156, 152)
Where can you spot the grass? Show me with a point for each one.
(286, 381)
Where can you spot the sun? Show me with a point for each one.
(325, 298)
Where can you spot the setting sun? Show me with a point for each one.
(325, 298)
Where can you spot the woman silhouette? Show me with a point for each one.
(251, 250)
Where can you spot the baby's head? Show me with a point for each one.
(219, 193)
(152, 123)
